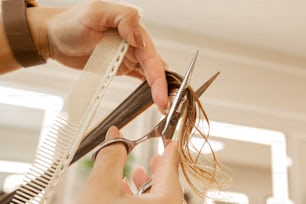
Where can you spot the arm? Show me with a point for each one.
(69, 35)
(37, 21)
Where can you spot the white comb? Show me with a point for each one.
(58, 148)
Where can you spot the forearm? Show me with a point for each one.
(37, 20)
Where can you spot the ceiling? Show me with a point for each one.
(268, 25)
(259, 46)
(274, 26)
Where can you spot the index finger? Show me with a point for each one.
(154, 71)
(131, 30)
(126, 20)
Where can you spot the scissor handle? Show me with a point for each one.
(145, 187)
(108, 143)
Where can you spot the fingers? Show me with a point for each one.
(166, 185)
(165, 169)
(107, 171)
(154, 71)
(154, 162)
(129, 62)
(166, 173)
(130, 65)
(126, 186)
(105, 15)
(140, 177)
(86, 24)
(153, 68)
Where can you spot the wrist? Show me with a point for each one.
(37, 19)
(18, 33)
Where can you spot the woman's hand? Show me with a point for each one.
(105, 183)
(69, 35)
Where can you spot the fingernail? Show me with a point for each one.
(163, 110)
(168, 107)
(139, 39)
(126, 180)
(165, 65)
(108, 133)
(142, 169)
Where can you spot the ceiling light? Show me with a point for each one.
(30, 99)
(49, 103)
(12, 182)
(245, 133)
(14, 167)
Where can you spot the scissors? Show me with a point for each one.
(165, 128)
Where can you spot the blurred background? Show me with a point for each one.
(256, 106)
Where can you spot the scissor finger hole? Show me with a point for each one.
(108, 143)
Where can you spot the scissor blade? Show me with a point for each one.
(183, 86)
(188, 73)
(179, 95)
(204, 87)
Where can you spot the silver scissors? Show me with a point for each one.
(165, 128)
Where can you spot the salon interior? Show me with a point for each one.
(256, 106)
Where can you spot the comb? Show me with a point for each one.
(137, 102)
(63, 139)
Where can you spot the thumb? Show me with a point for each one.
(126, 18)
(166, 175)
(107, 171)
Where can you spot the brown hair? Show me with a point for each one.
(201, 171)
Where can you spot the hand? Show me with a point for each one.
(69, 35)
(105, 183)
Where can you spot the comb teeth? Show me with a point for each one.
(58, 148)
(50, 159)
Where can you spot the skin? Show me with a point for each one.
(106, 185)
(69, 35)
